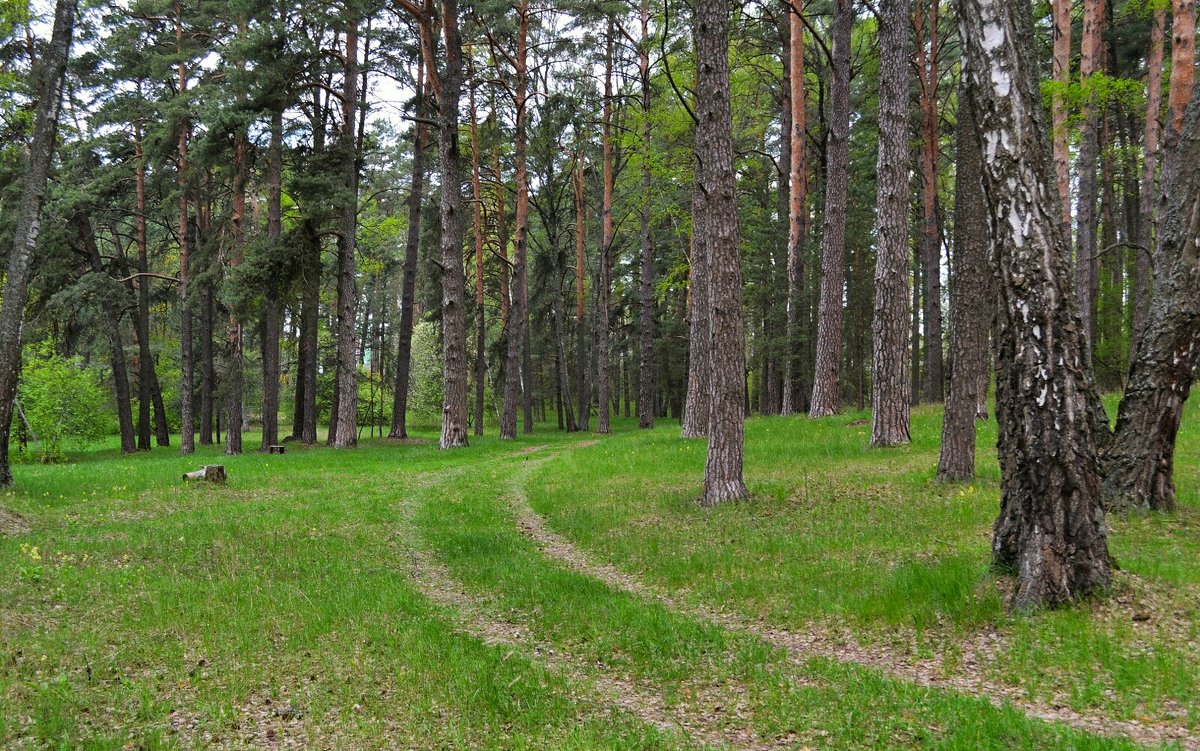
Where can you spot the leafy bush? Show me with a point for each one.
(60, 400)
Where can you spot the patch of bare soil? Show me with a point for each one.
(529, 450)
(976, 652)
(11, 524)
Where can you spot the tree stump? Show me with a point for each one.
(208, 473)
(276, 449)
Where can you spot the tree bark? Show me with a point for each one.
(309, 327)
(208, 370)
(603, 302)
(346, 428)
(971, 304)
(1051, 530)
(698, 408)
(1149, 186)
(480, 321)
(116, 349)
(187, 428)
(933, 374)
(1086, 277)
(827, 381)
(272, 318)
(235, 368)
(1061, 10)
(146, 373)
(890, 395)
(1139, 462)
(454, 346)
(714, 151)
(797, 206)
(581, 368)
(412, 246)
(645, 398)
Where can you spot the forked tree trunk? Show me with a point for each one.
(890, 395)
(827, 380)
(970, 305)
(1148, 192)
(454, 344)
(1051, 530)
(714, 150)
(1139, 462)
(116, 349)
(345, 429)
(645, 398)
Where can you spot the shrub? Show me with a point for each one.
(60, 400)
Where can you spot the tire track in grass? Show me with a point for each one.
(602, 692)
(801, 646)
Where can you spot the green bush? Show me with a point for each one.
(60, 400)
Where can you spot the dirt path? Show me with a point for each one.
(803, 645)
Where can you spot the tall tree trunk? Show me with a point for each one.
(1051, 531)
(603, 303)
(517, 383)
(234, 370)
(208, 370)
(116, 349)
(1139, 462)
(412, 246)
(454, 346)
(827, 381)
(187, 428)
(970, 303)
(145, 357)
(581, 385)
(309, 327)
(1183, 71)
(1089, 151)
(1149, 186)
(797, 205)
(480, 321)
(645, 398)
(272, 317)
(933, 373)
(714, 150)
(345, 430)
(889, 355)
(698, 409)
(1061, 10)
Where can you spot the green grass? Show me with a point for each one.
(159, 615)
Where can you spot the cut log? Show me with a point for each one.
(275, 449)
(208, 473)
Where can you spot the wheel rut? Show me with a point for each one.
(819, 643)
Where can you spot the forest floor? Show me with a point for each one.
(566, 591)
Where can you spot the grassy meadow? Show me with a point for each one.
(389, 597)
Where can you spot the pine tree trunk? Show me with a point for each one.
(454, 345)
(1051, 531)
(971, 304)
(1089, 151)
(309, 327)
(698, 408)
(603, 303)
(714, 151)
(645, 398)
(1139, 462)
(272, 316)
(793, 384)
(933, 374)
(581, 359)
(208, 370)
(412, 246)
(1149, 185)
(187, 428)
(145, 357)
(235, 370)
(827, 380)
(889, 356)
(480, 321)
(345, 429)
(1061, 11)
(116, 349)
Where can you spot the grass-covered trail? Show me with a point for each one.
(565, 592)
